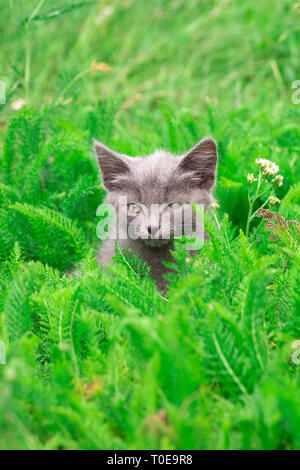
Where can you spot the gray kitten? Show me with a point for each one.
(169, 182)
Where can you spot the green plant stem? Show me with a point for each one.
(216, 220)
(36, 10)
(77, 77)
(249, 220)
(261, 207)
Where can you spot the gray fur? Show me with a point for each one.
(160, 178)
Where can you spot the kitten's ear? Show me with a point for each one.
(201, 163)
(113, 165)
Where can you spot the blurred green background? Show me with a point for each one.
(104, 361)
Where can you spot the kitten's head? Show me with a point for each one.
(158, 186)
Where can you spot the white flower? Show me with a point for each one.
(273, 200)
(268, 168)
(278, 180)
(250, 178)
(215, 205)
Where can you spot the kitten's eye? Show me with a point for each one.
(133, 209)
(173, 207)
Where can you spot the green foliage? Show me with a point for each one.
(101, 359)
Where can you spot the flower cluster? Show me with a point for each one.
(268, 168)
(250, 178)
(273, 200)
(278, 180)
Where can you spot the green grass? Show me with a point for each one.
(104, 361)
